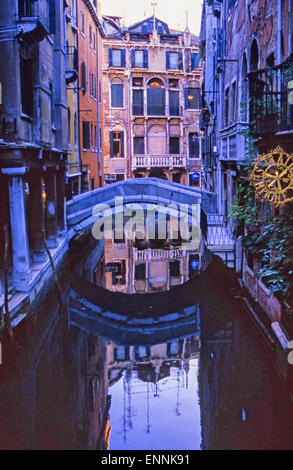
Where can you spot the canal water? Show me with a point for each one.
(151, 349)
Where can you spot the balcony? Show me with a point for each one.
(71, 64)
(269, 109)
(34, 19)
(158, 161)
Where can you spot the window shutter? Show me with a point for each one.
(200, 98)
(196, 147)
(167, 60)
(186, 102)
(83, 76)
(192, 62)
(111, 144)
(86, 134)
(133, 57)
(180, 61)
(123, 58)
(145, 59)
(195, 61)
(52, 15)
(110, 58)
(121, 136)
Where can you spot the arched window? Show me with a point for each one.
(156, 98)
(244, 89)
(254, 56)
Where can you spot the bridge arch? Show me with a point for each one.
(79, 211)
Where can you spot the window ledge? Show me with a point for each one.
(266, 290)
(250, 272)
(26, 117)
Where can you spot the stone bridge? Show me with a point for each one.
(79, 211)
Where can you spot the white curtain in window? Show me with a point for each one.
(116, 58)
(173, 60)
(139, 58)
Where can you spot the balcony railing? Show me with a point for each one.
(158, 110)
(158, 161)
(140, 110)
(269, 108)
(157, 254)
(71, 64)
(35, 19)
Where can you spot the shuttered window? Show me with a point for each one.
(194, 61)
(137, 102)
(174, 103)
(117, 95)
(117, 57)
(86, 135)
(174, 60)
(193, 145)
(83, 77)
(138, 145)
(139, 58)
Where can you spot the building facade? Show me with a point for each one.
(90, 33)
(33, 137)
(151, 97)
(74, 167)
(247, 62)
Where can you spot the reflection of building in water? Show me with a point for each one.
(61, 400)
(149, 365)
(237, 397)
(130, 269)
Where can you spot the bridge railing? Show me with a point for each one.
(219, 230)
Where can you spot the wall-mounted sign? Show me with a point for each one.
(272, 177)
(195, 176)
(119, 170)
(195, 265)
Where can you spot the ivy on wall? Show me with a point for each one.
(267, 236)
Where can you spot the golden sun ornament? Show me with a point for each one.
(272, 177)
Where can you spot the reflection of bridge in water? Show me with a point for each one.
(137, 319)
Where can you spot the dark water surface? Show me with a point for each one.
(145, 353)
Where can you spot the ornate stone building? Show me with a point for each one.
(151, 97)
(33, 138)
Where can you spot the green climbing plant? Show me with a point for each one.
(268, 238)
